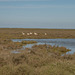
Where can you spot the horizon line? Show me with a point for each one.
(35, 28)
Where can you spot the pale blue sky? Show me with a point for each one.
(37, 13)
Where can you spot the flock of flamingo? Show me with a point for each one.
(30, 33)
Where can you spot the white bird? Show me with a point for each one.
(23, 33)
(31, 33)
(28, 34)
(45, 33)
(35, 33)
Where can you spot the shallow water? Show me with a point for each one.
(68, 43)
(15, 51)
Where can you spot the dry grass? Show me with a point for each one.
(28, 42)
(6, 44)
(16, 33)
(38, 60)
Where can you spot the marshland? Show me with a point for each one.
(43, 54)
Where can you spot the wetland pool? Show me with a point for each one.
(68, 43)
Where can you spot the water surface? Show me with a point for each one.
(68, 43)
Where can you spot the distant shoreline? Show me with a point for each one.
(38, 28)
(34, 28)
